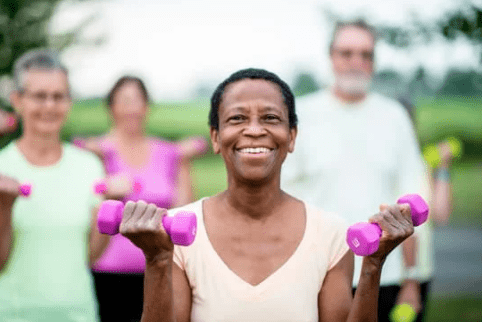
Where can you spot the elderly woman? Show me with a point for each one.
(44, 238)
(259, 254)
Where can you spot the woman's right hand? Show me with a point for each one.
(8, 122)
(9, 190)
(118, 186)
(142, 224)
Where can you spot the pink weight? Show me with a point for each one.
(25, 189)
(364, 238)
(181, 228)
(11, 121)
(100, 187)
(78, 142)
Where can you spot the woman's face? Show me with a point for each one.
(44, 103)
(254, 136)
(129, 108)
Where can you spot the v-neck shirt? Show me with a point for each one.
(289, 294)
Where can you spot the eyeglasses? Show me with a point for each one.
(366, 55)
(42, 97)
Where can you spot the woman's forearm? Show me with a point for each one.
(158, 289)
(5, 233)
(365, 304)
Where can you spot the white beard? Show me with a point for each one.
(353, 83)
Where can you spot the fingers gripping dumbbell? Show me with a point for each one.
(433, 155)
(25, 189)
(364, 238)
(181, 227)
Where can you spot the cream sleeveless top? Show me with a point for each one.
(288, 294)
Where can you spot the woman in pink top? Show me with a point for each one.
(259, 254)
(161, 172)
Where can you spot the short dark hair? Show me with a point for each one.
(252, 73)
(358, 23)
(124, 80)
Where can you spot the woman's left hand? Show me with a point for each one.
(396, 224)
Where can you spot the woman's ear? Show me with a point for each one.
(215, 139)
(293, 134)
(15, 98)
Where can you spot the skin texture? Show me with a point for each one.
(252, 114)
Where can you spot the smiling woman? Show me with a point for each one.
(259, 254)
(45, 238)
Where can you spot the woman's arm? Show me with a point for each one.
(441, 187)
(97, 242)
(184, 188)
(167, 295)
(9, 191)
(334, 302)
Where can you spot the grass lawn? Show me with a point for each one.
(464, 309)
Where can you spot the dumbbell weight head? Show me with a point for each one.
(181, 228)
(403, 313)
(11, 121)
(432, 155)
(25, 189)
(110, 216)
(364, 238)
(418, 208)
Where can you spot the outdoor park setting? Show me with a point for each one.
(445, 104)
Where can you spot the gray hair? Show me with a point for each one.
(43, 59)
(359, 23)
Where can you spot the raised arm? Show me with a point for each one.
(9, 191)
(335, 299)
(167, 295)
(441, 197)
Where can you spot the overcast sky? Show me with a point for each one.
(176, 45)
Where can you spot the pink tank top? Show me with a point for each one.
(158, 180)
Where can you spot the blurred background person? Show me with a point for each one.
(138, 167)
(439, 190)
(44, 253)
(357, 145)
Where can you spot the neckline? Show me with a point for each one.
(270, 279)
(24, 159)
(141, 169)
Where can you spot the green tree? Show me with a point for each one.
(305, 83)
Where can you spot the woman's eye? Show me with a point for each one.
(236, 118)
(272, 117)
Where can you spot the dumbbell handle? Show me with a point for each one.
(181, 228)
(364, 238)
(101, 188)
(25, 189)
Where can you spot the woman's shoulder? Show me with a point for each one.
(325, 220)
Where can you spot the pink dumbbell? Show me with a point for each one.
(25, 189)
(181, 228)
(364, 238)
(100, 187)
(11, 121)
(78, 142)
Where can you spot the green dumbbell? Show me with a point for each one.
(432, 153)
(403, 313)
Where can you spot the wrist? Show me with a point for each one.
(411, 274)
(442, 174)
(160, 260)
